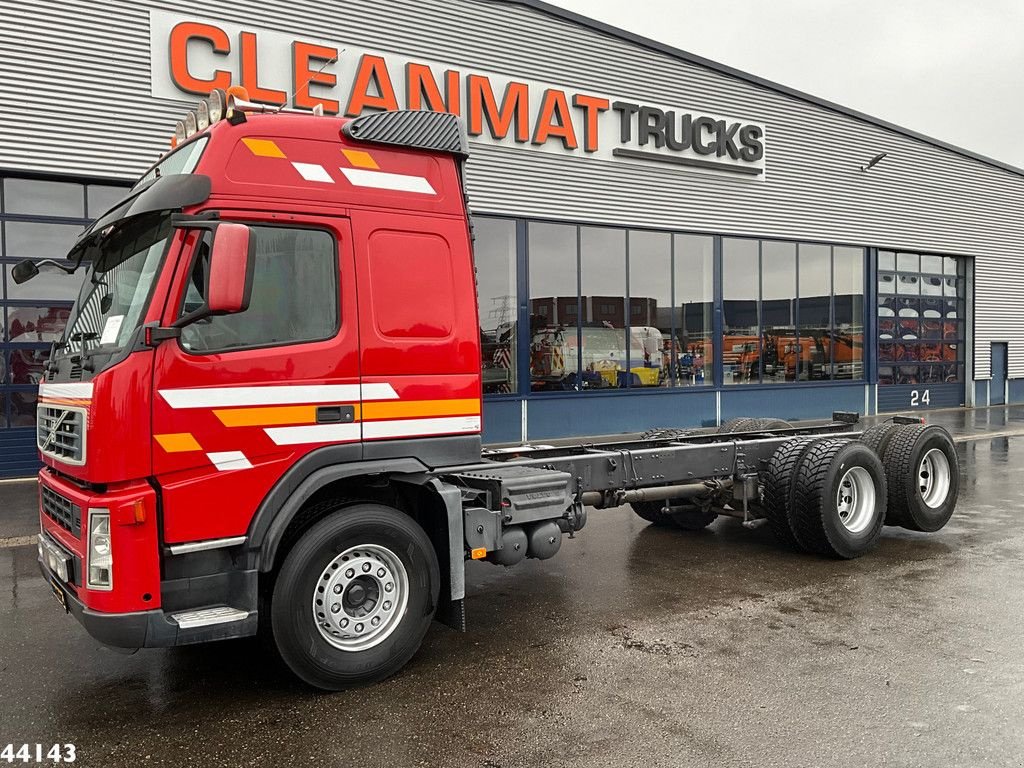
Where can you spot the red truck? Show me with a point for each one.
(264, 413)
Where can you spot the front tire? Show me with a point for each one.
(354, 597)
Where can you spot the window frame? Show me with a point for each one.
(335, 251)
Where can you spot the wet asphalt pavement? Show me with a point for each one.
(635, 646)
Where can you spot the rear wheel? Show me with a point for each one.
(354, 597)
(777, 487)
(877, 437)
(839, 495)
(741, 424)
(923, 472)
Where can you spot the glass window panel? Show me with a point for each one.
(848, 337)
(908, 328)
(102, 198)
(886, 328)
(692, 349)
(932, 308)
(605, 358)
(741, 346)
(886, 375)
(886, 282)
(907, 374)
(650, 308)
(44, 198)
(949, 265)
(932, 264)
(554, 348)
(886, 261)
(812, 358)
(36, 324)
(23, 408)
(908, 284)
(495, 254)
(294, 294)
(949, 286)
(887, 306)
(931, 285)
(51, 284)
(26, 239)
(908, 262)
(908, 306)
(778, 308)
(27, 365)
(931, 328)
(931, 352)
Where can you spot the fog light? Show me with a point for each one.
(100, 554)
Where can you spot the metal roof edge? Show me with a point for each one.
(692, 58)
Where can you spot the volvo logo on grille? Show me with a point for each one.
(53, 430)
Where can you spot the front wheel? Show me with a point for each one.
(354, 597)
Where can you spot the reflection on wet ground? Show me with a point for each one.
(635, 645)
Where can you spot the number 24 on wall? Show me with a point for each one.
(922, 397)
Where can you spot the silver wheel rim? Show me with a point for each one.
(855, 500)
(360, 597)
(933, 478)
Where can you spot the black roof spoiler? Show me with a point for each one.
(415, 129)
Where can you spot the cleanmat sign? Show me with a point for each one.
(192, 56)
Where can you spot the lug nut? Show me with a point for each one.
(375, 620)
(336, 608)
(380, 573)
(344, 623)
(349, 573)
(337, 589)
(366, 567)
(388, 587)
(359, 627)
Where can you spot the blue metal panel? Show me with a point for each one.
(792, 402)
(980, 394)
(610, 414)
(919, 397)
(1016, 390)
(503, 420)
(18, 456)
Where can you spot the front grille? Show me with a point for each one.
(59, 509)
(60, 433)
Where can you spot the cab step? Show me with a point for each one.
(207, 617)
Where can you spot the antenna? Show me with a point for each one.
(291, 97)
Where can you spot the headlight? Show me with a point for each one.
(100, 553)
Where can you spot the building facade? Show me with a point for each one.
(660, 240)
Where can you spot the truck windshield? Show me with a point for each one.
(110, 304)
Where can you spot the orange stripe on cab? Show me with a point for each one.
(178, 442)
(266, 417)
(421, 408)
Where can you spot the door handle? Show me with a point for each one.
(335, 414)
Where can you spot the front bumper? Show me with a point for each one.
(142, 629)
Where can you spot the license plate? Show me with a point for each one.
(59, 594)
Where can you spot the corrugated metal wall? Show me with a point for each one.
(74, 82)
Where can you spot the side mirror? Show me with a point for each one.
(24, 271)
(230, 285)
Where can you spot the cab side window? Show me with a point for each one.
(294, 293)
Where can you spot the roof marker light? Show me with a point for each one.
(215, 103)
(190, 125)
(179, 132)
(202, 115)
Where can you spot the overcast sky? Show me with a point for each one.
(952, 69)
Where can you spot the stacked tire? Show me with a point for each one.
(832, 495)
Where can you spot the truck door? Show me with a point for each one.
(239, 399)
(419, 335)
